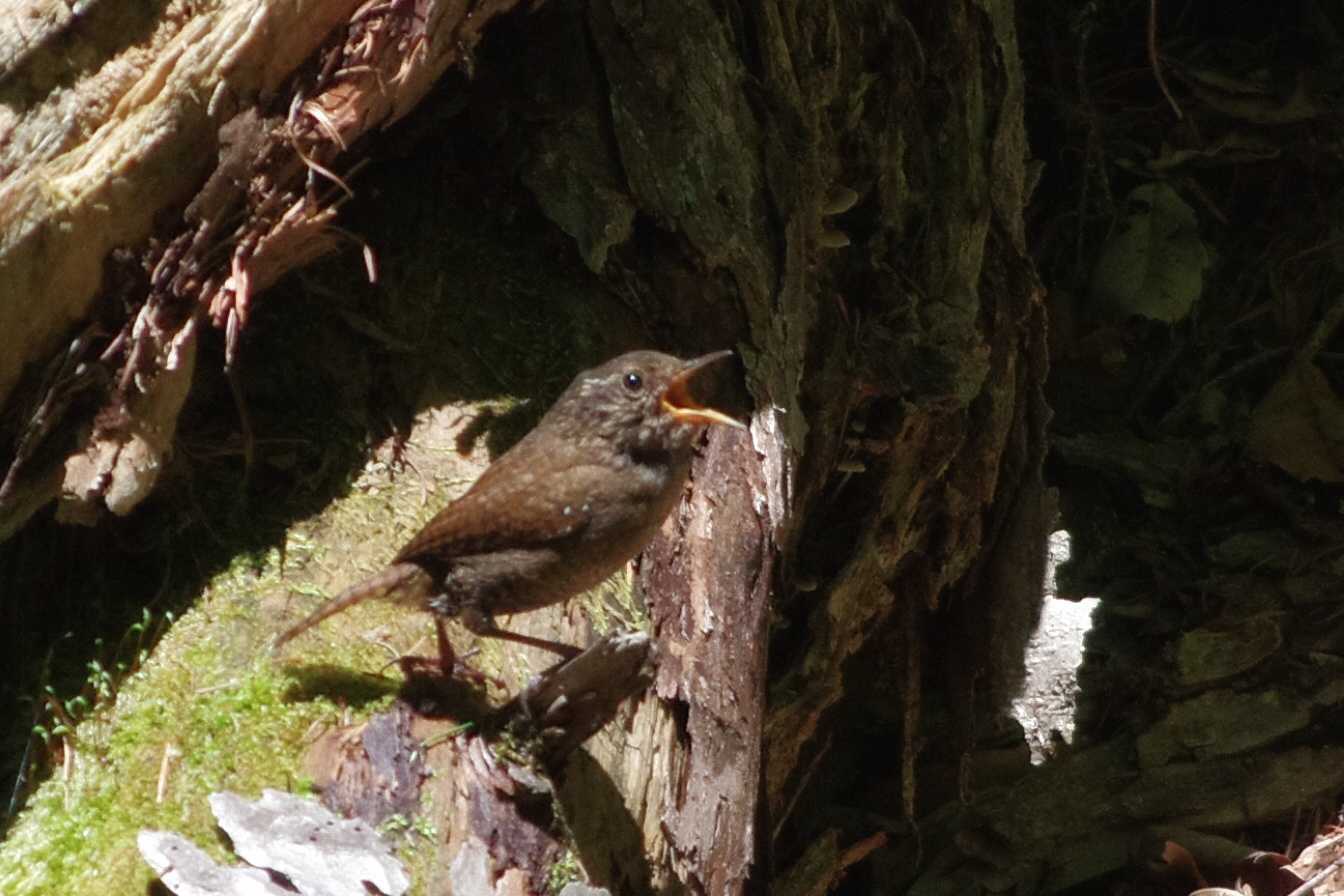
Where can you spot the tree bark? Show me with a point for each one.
(271, 92)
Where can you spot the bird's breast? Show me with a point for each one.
(622, 527)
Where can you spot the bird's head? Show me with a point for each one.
(642, 402)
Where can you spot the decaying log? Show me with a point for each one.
(569, 704)
(494, 794)
(172, 179)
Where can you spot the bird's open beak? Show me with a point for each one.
(681, 404)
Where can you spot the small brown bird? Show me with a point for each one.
(576, 498)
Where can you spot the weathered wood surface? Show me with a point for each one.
(494, 794)
(163, 176)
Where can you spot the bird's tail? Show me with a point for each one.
(394, 583)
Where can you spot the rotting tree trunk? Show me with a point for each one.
(835, 188)
(217, 121)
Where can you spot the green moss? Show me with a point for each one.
(416, 841)
(565, 871)
(419, 844)
(229, 728)
(212, 697)
(614, 605)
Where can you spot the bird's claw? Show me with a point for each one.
(433, 667)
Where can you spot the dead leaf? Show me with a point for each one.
(1153, 264)
(1299, 426)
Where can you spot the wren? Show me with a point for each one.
(569, 504)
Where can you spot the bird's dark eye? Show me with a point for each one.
(633, 381)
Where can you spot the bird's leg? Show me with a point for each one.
(452, 666)
(447, 656)
(449, 665)
(483, 625)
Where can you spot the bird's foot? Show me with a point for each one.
(433, 668)
(447, 665)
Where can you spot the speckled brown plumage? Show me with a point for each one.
(576, 498)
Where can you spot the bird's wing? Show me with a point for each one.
(509, 512)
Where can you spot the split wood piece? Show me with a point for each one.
(374, 771)
(569, 703)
